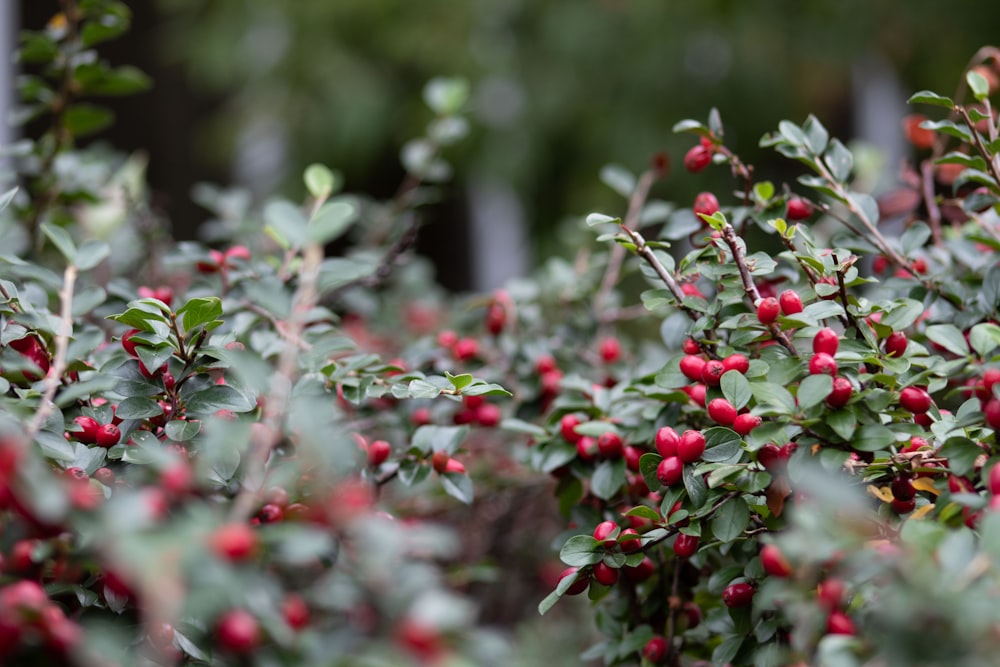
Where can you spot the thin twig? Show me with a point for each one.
(930, 200)
(58, 367)
(992, 161)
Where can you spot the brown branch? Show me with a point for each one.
(58, 367)
(992, 161)
(930, 200)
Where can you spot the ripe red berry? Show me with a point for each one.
(990, 377)
(736, 362)
(705, 204)
(238, 631)
(465, 349)
(270, 513)
(629, 541)
(378, 452)
(670, 471)
(567, 425)
(610, 445)
(546, 363)
(488, 415)
(770, 457)
(586, 448)
(690, 346)
(666, 441)
(454, 466)
(712, 372)
(721, 411)
(686, 545)
(610, 350)
(641, 572)
(578, 586)
(692, 366)
(234, 541)
(295, 610)
(841, 392)
(738, 595)
(790, 302)
(991, 410)
(920, 137)
(830, 593)
(895, 344)
(767, 310)
(240, 252)
(697, 393)
(495, 318)
(993, 480)
(606, 532)
(746, 422)
(774, 562)
(657, 648)
(822, 363)
(604, 574)
(902, 487)
(439, 461)
(697, 158)
(799, 209)
(839, 623)
(915, 400)
(632, 456)
(903, 506)
(128, 344)
(826, 341)
(108, 435)
(88, 429)
(691, 446)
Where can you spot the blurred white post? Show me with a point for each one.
(8, 35)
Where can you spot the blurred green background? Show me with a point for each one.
(251, 91)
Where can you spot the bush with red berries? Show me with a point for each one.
(251, 452)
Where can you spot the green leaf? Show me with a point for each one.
(695, 486)
(200, 310)
(727, 649)
(961, 454)
(218, 397)
(181, 430)
(581, 550)
(608, 478)
(7, 197)
(984, 338)
(563, 586)
(731, 520)
(55, 446)
(413, 472)
(950, 128)
(903, 314)
(618, 179)
(286, 223)
(480, 388)
(331, 221)
(61, 239)
(929, 97)
(721, 444)
(594, 219)
(949, 337)
(775, 395)
(736, 388)
(432, 438)
(446, 96)
(138, 407)
(99, 79)
(82, 119)
(90, 254)
(978, 84)
(690, 125)
(813, 390)
(459, 382)
(321, 181)
(458, 486)
(816, 135)
(843, 422)
(873, 438)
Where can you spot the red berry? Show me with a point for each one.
(465, 349)
(378, 452)
(567, 425)
(447, 338)
(495, 318)
(641, 572)
(767, 310)
(841, 392)
(697, 158)
(234, 541)
(295, 610)
(604, 574)
(629, 541)
(270, 513)
(690, 346)
(240, 252)
(903, 506)
(770, 457)
(610, 350)
(822, 363)
(88, 429)
(686, 545)
(920, 137)
(830, 593)
(991, 410)
(826, 341)
(439, 461)
(610, 445)
(692, 366)
(721, 411)
(606, 532)
(657, 648)
(128, 343)
(799, 209)
(238, 631)
(895, 344)
(488, 415)
(545, 364)
(706, 204)
(108, 435)
(774, 562)
(990, 377)
(578, 586)
(667, 440)
(790, 302)
(736, 362)
(738, 595)
(880, 264)
(915, 400)
(993, 480)
(691, 446)
(902, 487)
(712, 372)
(632, 457)
(697, 392)
(586, 448)
(670, 470)
(839, 623)
(746, 422)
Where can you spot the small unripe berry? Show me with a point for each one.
(767, 310)
(691, 446)
(721, 411)
(790, 302)
(826, 341)
(738, 595)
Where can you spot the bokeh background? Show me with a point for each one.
(248, 92)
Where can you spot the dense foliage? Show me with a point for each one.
(768, 420)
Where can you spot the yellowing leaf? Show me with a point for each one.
(925, 484)
(921, 513)
(883, 493)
